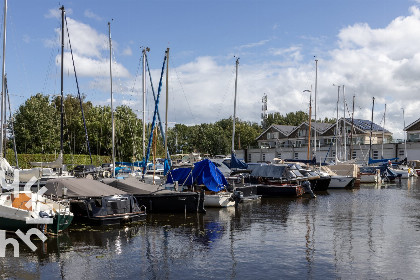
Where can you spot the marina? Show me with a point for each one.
(127, 160)
(365, 233)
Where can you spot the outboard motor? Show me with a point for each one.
(307, 188)
(201, 202)
(237, 196)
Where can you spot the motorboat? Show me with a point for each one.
(24, 210)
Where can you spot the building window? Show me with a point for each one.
(401, 153)
(263, 157)
(268, 135)
(302, 132)
(375, 154)
(298, 143)
(333, 154)
(276, 135)
(354, 155)
(249, 157)
(328, 141)
(296, 155)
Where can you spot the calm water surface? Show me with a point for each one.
(367, 233)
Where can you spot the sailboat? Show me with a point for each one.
(156, 198)
(22, 210)
(224, 198)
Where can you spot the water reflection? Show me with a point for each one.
(363, 233)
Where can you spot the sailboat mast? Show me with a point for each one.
(144, 103)
(234, 106)
(309, 132)
(405, 136)
(336, 127)
(62, 84)
(112, 104)
(2, 80)
(344, 127)
(316, 89)
(167, 99)
(351, 132)
(371, 128)
(383, 135)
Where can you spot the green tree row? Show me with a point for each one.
(37, 130)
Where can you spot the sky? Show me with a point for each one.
(371, 47)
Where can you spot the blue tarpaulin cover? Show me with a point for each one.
(166, 167)
(373, 161)
(203, 173)
(236, 163)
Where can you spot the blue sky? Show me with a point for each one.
(372, 47)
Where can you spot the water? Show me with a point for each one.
(367, 233)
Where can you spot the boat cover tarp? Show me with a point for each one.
(382, 160)
(306, 161)
(236, 163)
(276, 171)
(134, 186)
(219, 162)
(203, 173)
(79, 187)
(252, 166)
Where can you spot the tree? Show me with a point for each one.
(292, 118)
(37, 128)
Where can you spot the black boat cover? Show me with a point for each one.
(79, 187)
(134, 186)
(276, 171)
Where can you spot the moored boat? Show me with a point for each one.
(157, 198)
(277, 180)
(96, 202)
(25, 210)
(220, 199)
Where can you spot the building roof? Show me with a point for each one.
(411, 125)
(320, 127)
(366, 125)
(285, 129)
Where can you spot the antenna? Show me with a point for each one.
(264, 110)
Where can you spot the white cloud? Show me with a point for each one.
(90, 14)
(127, 51)
(85, 40)
(89, 67)
(382, 62)
(56, 13)
(253, 45)
(26, 38)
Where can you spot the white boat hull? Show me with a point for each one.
(404, 173)
(370, 178)
(218, 200)
(341, 182)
